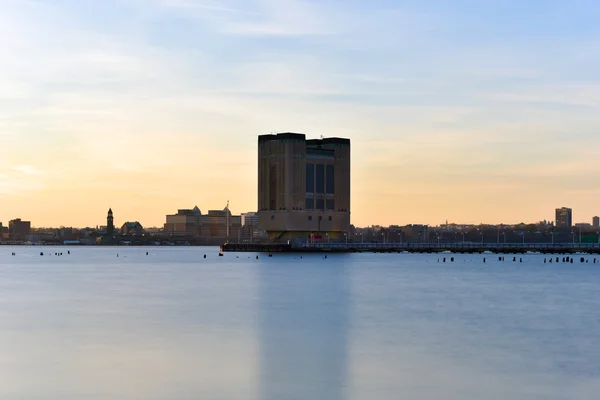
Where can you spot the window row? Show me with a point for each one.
(320, 204)
(320, 178)
(310, 218)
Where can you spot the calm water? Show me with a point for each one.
(173, 325)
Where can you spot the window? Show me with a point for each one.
(272, 188)
(272, 217)
(310, 178)
(310, 203)
(330, 205)
(330, 218)
(310, 217)
(320, 178)
(320, 204)
(330, 179)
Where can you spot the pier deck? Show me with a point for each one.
(497, 248)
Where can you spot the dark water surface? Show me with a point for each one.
(173, 325)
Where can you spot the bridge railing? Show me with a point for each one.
(452, 246)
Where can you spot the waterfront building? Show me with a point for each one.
(18, 229)
(303, 187)
(596, 222)
(215, 224)
(65, 234)
(132, 229)
(185, 223)
(564, 217)
(220, 224)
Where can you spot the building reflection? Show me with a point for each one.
(303, 328)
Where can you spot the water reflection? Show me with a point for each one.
(152, 327)
(303, 328)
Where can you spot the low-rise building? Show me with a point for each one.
(132, 229)
(216, 224)
(66, 234)
(185, 223)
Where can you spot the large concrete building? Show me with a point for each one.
(303, 187)
(596, 222)
(564, 217)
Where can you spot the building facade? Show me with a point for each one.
(564, 217)
(132, 229)
(185, 223)
(303, 187)
(596, 222)
(251, 230)
(215, 224)
(18, 229)
(220, 224)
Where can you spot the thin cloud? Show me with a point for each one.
(20, 179)
(26, 169)
(150, 90)
(195, 5)
(263, 17)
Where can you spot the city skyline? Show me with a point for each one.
(593, 223)
(472, 113)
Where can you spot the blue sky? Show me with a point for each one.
(467, 110)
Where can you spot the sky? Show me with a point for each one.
(466, 111)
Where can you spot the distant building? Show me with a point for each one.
(185, 223)
(250, 228)
(65, 234)
(3, 232)
(564, 217)
(250, 219)
(110, 225)
(132, 229)
(217, 224)
(596, 222)
(303, 187)
(18, 229)
(222, 224)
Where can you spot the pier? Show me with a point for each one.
(470, 248)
